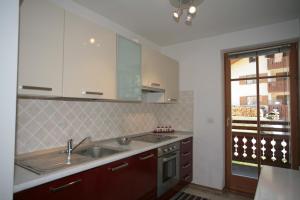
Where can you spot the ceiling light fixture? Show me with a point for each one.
(181, 5)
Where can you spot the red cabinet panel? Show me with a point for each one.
(186, 161)
(145, 175)
(117, 178)
(75, 187)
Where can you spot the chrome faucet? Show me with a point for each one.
(70, 148)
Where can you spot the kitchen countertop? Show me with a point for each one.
(25, 179)
(278, 184)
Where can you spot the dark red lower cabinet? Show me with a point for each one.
(144, 182)
(131, 178)
(117, 180)
(75, 187)
(186, 161)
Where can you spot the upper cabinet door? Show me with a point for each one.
(171, 80)
(152, 75)
(89, 60)
(40, 48)
(128, 70)
(160, 71)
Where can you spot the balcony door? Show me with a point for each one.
(261, 98)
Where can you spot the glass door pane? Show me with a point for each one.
(244, 118)
(275, 111)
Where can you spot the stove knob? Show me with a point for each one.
(170, 148)
(165, 150)
(174, 147)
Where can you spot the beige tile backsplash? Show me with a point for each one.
(44, 124)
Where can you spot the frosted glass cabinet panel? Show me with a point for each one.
(40, 48)
(89, 59)
(128, 70)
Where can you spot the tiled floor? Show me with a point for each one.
(213, 195)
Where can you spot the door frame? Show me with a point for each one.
(295, 135)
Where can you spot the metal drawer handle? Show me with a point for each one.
(93, 93)
(172, 99)
(119, 167)
(186, 154)
(155, 84)
(186, 166)
(186, 142)
(187, 177)
(147, 157)
(29, 87)
(64, 186)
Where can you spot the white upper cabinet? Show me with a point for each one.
(152, 75)
(40, 48)
(89, 60)
(160, 71)
(171, 80)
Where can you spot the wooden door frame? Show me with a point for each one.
(294, 89)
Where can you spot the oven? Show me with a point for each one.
(168, 167)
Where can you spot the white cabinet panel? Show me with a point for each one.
(152, 68)
(40, 48)
(160, 71)
(172, 80)
(89, 60)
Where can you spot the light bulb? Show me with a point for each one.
(92, 40)
(188, 19)
(175, 15)
(192, 10)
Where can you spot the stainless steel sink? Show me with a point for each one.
(46, 163)
(97, 152)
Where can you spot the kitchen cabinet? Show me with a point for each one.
(76, 187)
(40, 48)
(118, 178)
(145, 175)
(131, 178)
(128, 70)
(160, 71)
(186, 161)
(89, 59)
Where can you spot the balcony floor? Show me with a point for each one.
(245, 171)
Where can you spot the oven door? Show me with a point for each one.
(168, 172)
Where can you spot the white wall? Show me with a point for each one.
(9, 17)
(104, 22)
(201, 70)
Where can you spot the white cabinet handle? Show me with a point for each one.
(172, 99)
(93, 93)
(119, 167)
(29, 87)
(155, 84)
(147, 157)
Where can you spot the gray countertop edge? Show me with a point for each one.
(24, 179)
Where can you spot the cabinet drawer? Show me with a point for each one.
(187, 177)
(186, 145)
(185, 169)
(186, 157)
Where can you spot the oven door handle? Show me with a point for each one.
(169, 158)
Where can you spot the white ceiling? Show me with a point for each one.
(152, 18)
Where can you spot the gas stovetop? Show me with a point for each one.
(153, 138)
